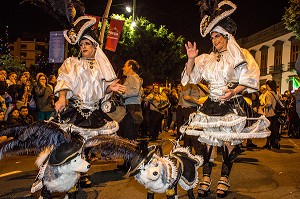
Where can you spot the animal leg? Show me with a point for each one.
(72, 193)
(150, 195)
(171, 193)
(46, 194)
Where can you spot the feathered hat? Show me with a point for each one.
(215, 13)
(83, 27)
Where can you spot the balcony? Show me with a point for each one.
(275, 69)
(263, 71)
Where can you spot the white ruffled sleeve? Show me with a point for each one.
(196, 73)
(250, 73)
(66, 77)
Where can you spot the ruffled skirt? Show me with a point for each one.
(96, 123)
(230, 121)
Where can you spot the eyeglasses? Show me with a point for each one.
(216, 36)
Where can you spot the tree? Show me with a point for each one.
(292, 17)
(11, 64)
(159, 52)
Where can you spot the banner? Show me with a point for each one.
(114, 33)
(56, 47)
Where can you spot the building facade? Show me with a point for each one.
(29, 50)
(275, 49)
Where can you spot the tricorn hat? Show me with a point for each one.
(214, 13)
(64, 153)
(138, 161)
(82, 27)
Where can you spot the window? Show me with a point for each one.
(278, 45)
(23, 46)
(264, 56)
(23, 54)
(264, 59)
(295, 50)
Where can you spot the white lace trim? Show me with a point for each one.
(215, 130)
(109, 128)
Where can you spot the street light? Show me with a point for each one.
(128, 9)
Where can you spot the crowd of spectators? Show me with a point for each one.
(25, 99)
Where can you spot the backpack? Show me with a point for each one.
(279, 108)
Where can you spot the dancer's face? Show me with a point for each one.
(87, 49)
(219, 41)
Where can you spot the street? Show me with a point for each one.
(257, 173)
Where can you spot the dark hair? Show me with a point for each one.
(272, 85)
(134, 64)
(23, 107)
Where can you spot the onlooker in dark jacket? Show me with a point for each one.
(24, 117)
(44, 98)
(13, 118)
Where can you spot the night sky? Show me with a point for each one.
(179, 16)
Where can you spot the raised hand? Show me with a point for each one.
(191, 50)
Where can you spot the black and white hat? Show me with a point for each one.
(64, 153)
(216, 14)
(140, 160)
(82, 28)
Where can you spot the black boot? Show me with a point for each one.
(228, 159)
(204, 186)
(191, 194)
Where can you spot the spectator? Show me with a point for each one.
(52, 81)
(3, 83)
(155, 115)
(190, 96)
(2, 121)
(129, 126)
(12, 87)
(269, 107)
(173, 99)
(44, 98)
(12, 79)
(25, 118)
(13, 118)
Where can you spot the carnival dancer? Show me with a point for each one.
(225, 119)
(86, 82)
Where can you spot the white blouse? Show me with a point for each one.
(220, 71)
(83, 80)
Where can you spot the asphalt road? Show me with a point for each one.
(257, 173)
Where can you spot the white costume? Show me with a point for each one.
(86, 82)
(219, 121)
